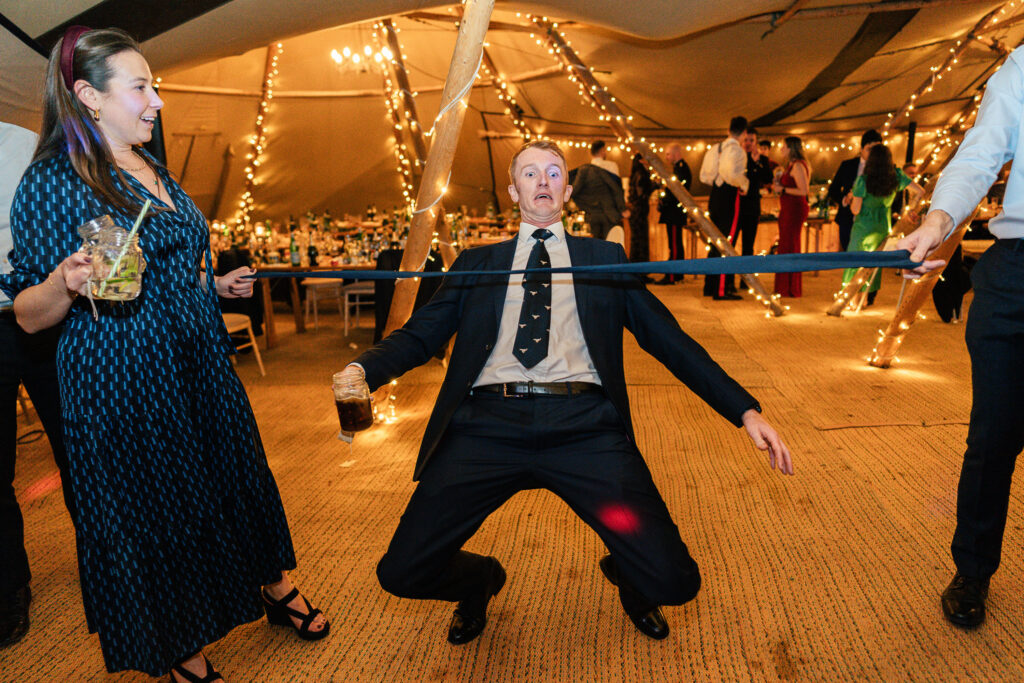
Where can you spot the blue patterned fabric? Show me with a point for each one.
(180, 520)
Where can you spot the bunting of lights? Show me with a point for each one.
(258, 142)
(605, 104)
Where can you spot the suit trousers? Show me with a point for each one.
(676, 251)
(578, 449)
(723, 209)
(995, 328)
(600, 224)
(747, 227)
(29, 359)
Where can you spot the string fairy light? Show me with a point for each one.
(258, 141)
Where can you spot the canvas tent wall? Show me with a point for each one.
(681, 69)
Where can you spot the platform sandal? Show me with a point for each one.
(210, 677)
(280, 614)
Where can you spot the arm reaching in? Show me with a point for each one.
(46, 304)
(934, 228)
(236, 284)
(766, 438)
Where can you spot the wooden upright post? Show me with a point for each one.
(621, 126)
(436, 173)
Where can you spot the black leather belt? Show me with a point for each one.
(531, 389)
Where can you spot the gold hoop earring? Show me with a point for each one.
(96, 115)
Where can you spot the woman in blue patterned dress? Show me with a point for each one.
(180, 519)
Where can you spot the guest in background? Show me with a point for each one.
(765, 148)
(724, 168)
(597, 191)
(902, 199)
(640, 188)
(179, 520)
(24, 359)
(873, 194)
(842, 185)
(599, 157)
(759, 173)
(792, 188)
(670, 212)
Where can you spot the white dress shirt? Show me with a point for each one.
(568, 359)
(732, 165)
(16, 148)
(994, 140)
(606, 164)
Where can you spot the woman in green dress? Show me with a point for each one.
(871, 204)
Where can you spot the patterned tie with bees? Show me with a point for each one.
(535, 317)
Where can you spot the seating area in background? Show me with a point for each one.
(237, 323)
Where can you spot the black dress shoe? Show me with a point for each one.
(728, 296)
(652, 622)
(963, 601)
(664, 281)
(14, 616)
(470, 616)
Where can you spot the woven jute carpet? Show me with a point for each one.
(833, 574)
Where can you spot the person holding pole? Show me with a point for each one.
(995, 328)
(535, 397)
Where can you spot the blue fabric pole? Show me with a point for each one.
(780, 263)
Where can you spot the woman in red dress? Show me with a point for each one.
(792, 190)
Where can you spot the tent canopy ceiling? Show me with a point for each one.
(681, 69)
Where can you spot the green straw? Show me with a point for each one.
(124, 249)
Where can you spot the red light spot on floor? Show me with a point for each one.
(619, 518)
(41, 487)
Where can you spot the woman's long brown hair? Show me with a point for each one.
(68, 126)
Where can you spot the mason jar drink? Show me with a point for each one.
(352, 398)
(117, 261)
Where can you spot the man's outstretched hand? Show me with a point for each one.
(934, 228)
(766, 438)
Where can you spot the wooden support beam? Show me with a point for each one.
(784, 17)
(622, 128)
(957, 47)
(915, 293)
(466, 59)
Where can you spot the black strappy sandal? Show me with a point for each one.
(210, 677)
(280, 614)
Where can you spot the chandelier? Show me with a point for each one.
(361, 61)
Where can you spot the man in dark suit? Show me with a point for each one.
(670, 211)
(839, 191)
(535, 397)
(759, 173)
(598, 193)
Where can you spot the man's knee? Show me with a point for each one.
(395, 578)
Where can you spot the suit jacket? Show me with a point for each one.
(669, 210)
(597, 191)
(842, 183)
(607, 303)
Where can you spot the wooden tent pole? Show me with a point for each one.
(466, 59)
(960, 46)
(914, 294)
(620, 125)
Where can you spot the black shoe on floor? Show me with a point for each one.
(728, 296)
(14, 616)
(664, 281)
(470, 616)
(963, 601)
(651, 622)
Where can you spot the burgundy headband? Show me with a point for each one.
(67, 53)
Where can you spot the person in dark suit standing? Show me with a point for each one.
(670, 211)
(27, 359)
(598, 193)
(841, 187)
(535, 397)
(759, 174)
(724, 168)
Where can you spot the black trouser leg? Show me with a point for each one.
(14, 571)
(845, 229)
(722, 208)
(602, 477)
(995, 330)
(676, 251)
(748, 232)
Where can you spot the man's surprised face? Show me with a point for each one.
(539, 187)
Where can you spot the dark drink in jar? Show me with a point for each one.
(354, 414)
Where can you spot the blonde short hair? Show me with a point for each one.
(538, 144)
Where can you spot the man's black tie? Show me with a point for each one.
(534, 331)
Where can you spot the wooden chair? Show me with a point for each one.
(321, 289)
(237, 322)
(356, 295)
